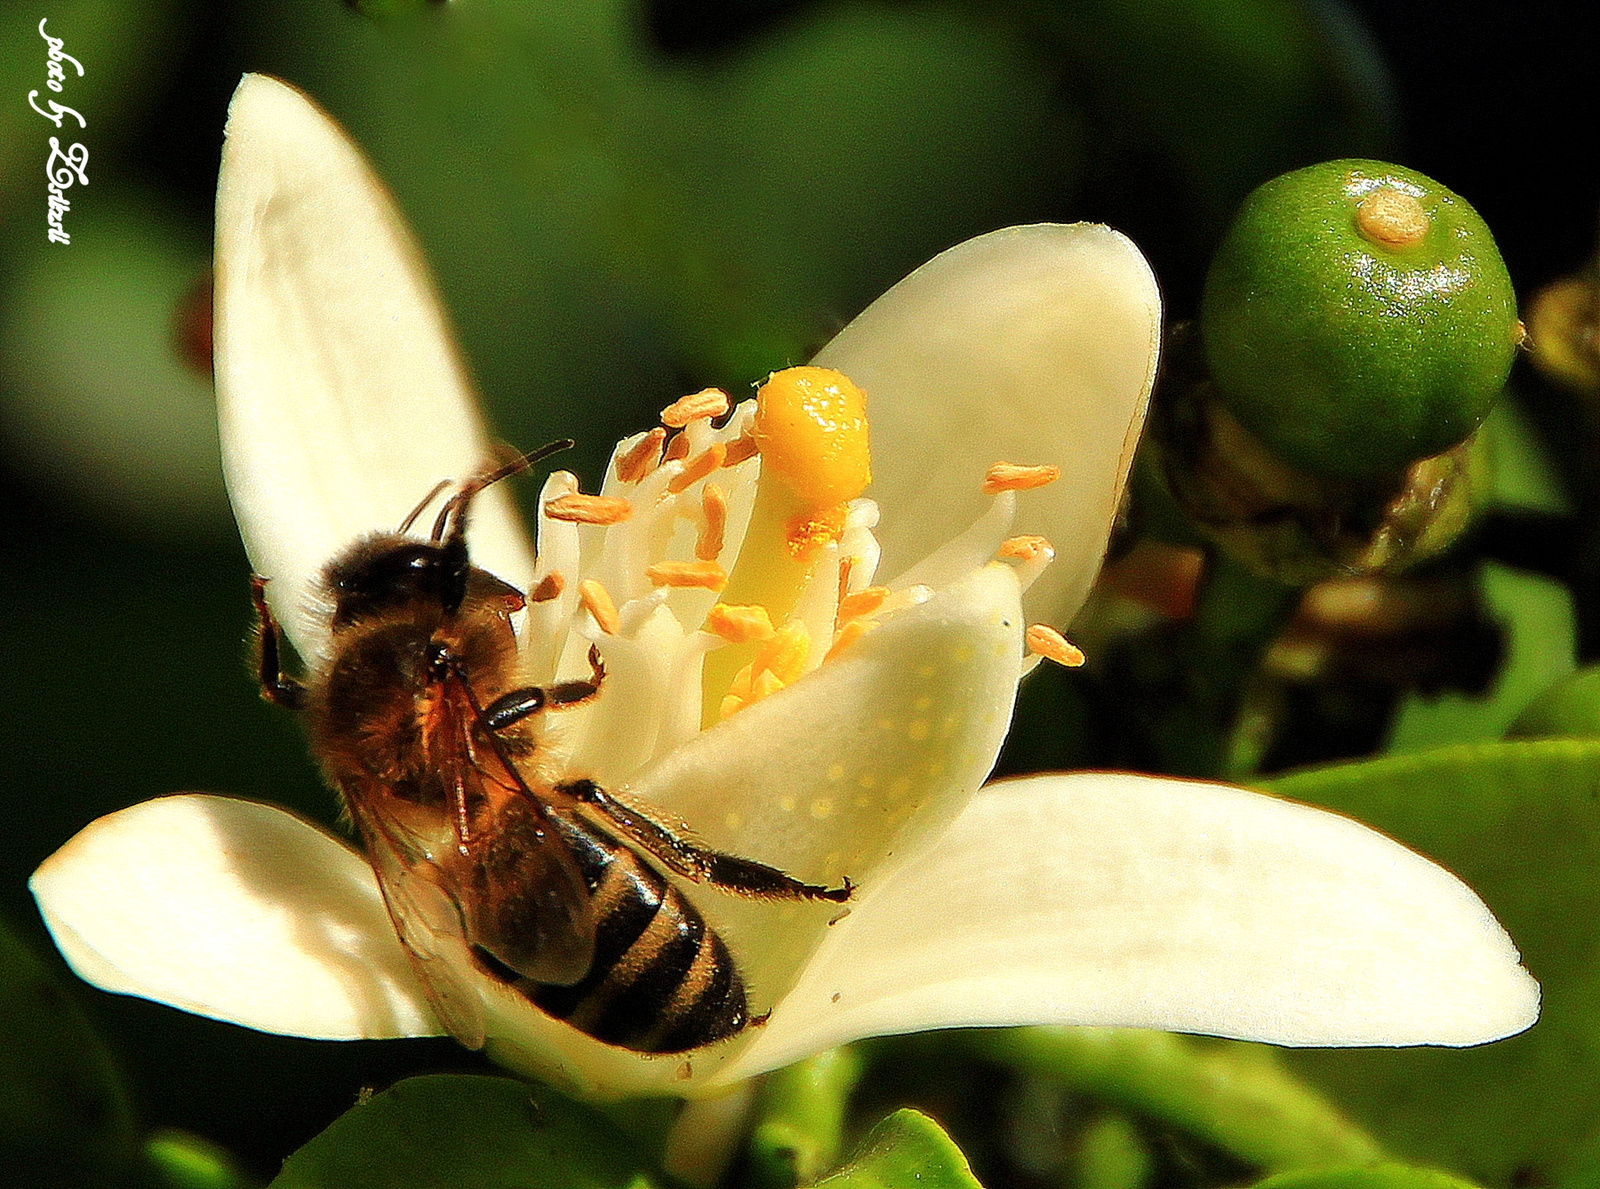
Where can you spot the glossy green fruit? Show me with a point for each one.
(1357, 318)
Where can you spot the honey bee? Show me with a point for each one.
(423, 721)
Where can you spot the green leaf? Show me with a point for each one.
(64, 1116)
(459, 1130)
(1370, 1176)
(1237, 1098)
(1111, 1155)
(1520, 823)
(1569, 709)
(177, 1160)
(799, 1128)
(906, 1150)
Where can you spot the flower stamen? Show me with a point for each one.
(578, 508)
(707, 461)
(597, 601)
(714, 508)
(1045, 641)
(739, 623)
(709, 403)
(864, 602)
(707, 575)
(549, 587)
(1010, 476)
(1024, 548)
(642, 458)
(742, 447)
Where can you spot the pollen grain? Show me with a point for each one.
(643, 457)
(703, 464)
(739, 623)
(714, 507)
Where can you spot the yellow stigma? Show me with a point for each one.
(811, 430)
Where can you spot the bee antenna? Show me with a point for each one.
(405, 525)
(454, 515)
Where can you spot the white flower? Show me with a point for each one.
(1090, 898)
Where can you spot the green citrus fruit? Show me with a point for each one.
(1357, 318)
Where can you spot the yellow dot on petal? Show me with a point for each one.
(822, 807)
(835, 771)
(734, 821)
(786, 804)
(918, 730)
(868, 781)
(925, 702)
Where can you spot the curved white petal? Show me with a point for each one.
(1140, 902)
(851, 769)
(341, 397)
(1029, 345)
(233, 910)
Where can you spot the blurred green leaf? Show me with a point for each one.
(178, 1160)
(1237, 1098)
(64, 1115)
(486, 1132)
(799, 1124)
(908, 1150)
(1371, 1176)
(1111, 1155)
(1568, 709)
(98, 401)
(1520, 823)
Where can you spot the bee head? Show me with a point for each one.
(386, 573)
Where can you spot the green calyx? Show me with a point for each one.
(1357, 318)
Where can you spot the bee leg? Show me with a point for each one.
(509, 709)
(743, 877)
(276, 686)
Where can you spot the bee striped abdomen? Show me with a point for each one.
(661, 981)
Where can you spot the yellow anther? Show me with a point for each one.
(811, 427)
(1053, 646)
(766, 684)
(677, 449)
(1025, 548)
(705, 574)
(708, 460)
(848, 634)
(741, 448)
(708, 402)
(714, 506)
(739, 623)
(588, 509)
(549, 587)
(731, 705)
(863, 602)
(1009, 476)
(642, 458)
(597, 601)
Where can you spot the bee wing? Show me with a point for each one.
(429, 922)
(519, 879)
(532, 908)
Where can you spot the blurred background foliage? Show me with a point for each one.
(624, 200)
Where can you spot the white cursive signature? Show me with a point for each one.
(68, 166)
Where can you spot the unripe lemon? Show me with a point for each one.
(1357, 317)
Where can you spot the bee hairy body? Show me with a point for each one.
(423, 719)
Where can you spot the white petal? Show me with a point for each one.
(1140, 902)
(341, 397)
(857, 764)
(1029, 345)
(233, 910)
